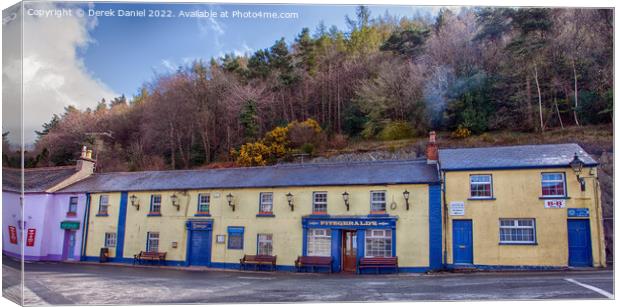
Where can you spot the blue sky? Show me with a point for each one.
(127, 52)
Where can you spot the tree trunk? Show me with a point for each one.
(576, 94)
(542, 125)
(557, 109)
(528, 107)
(172, 149)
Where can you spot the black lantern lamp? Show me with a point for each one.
(577, 166)
(134, 201)
(175, 201)
(345, 197)
(229, 198)
(289, 197)
(406, 196)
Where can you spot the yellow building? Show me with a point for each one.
(519, 207)
(531, 207)
(347, 211)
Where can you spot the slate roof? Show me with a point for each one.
(512, 157)
(35, 179)
(311, 174)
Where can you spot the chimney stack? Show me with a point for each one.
(432, 150)
(86, 163)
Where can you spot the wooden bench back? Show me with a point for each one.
(153, 254)
(379, 260)
(259, 258)
(315, 260)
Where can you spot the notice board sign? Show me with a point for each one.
(555, 203)
(30, 236)
(578, 212)
(457, 208)
(13, 234)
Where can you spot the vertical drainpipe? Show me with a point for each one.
(599, 222)
(85, 227)
(444, 216)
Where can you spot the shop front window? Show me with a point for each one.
(378, 243)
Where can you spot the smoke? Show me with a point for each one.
(436, 93)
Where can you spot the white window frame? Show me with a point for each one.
(374, 202)
(516, 225)
(201, 203)
(542, 181)
(104, 204)
(319, 242)
(376, 235)
(150, 238)
(264, 244)
(322, 203)
(472, 183)
(109, 239)
(154, 204)
(263, 202)
(73, 207)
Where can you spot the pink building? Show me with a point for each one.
(38, 222)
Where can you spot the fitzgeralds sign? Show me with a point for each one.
(351, 223)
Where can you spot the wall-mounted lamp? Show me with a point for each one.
(175, 201)
(345, 197)
(577, 166)
(406, 196)
(135, 202)
(289, 197)
(229, 198)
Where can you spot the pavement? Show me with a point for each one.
(96, 284)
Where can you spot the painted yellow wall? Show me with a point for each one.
(517, 195)
(99, 225)
(411, 232)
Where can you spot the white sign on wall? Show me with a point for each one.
(457, 208)
(555, 203)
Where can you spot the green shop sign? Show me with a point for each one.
(70, 225)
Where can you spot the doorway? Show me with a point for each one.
(579, 243)
(349, 250)
(68, 250)
(462, 249)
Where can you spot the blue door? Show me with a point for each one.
(579, 244)
(200, 247)
(462, 242)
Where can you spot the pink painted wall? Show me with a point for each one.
(43, 212)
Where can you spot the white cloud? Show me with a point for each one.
(54, 74)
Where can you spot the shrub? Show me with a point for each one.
(461, 132)
(396, 131)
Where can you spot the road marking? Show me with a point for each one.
(262, 278)
(593, 288)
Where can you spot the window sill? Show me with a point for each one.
(153, 214)
(101, 214)
(71, 214)
(553, 197)
(265, 214)
(202, 214)
(481, 198)
(516, 243)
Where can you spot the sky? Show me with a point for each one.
(73, 58)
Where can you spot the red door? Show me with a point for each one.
(349, 250)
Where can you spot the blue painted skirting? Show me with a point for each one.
(130, 261)
(236, 266)
(506, 267)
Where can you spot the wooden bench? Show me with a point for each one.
(313, 262)
(149, 256)
(378, 263)
(258, 260)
